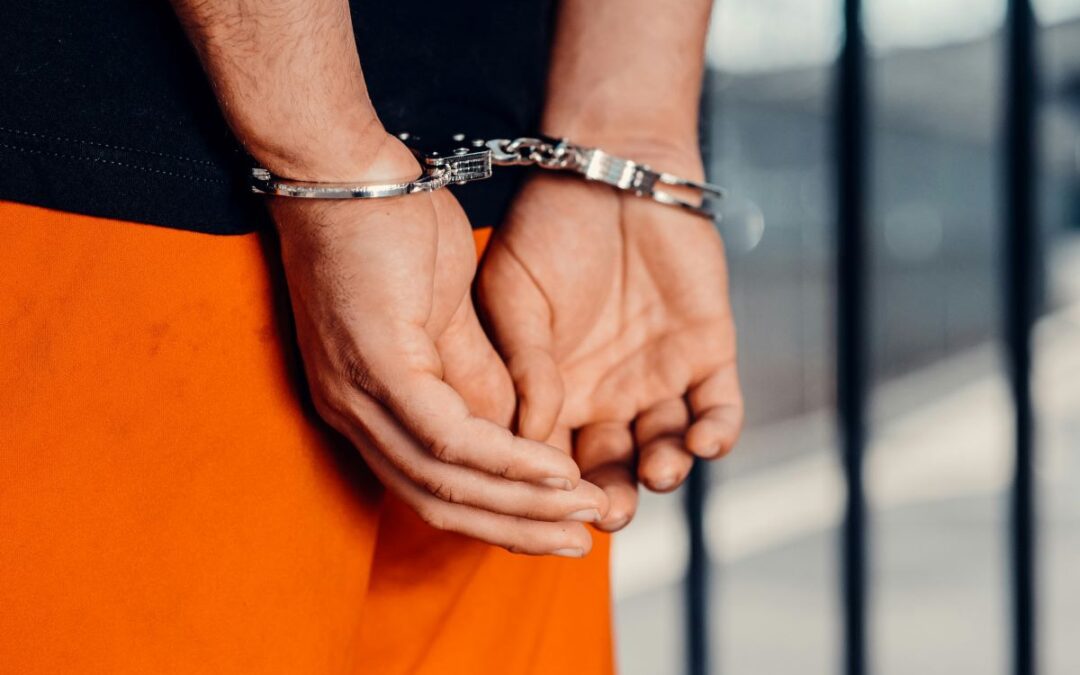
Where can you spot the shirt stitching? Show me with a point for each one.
(125, 165)
(63, 139)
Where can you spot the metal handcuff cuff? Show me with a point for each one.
(469, 161)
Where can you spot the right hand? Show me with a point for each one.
(631, 348)
(397, 362)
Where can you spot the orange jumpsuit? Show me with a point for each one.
(170, 504)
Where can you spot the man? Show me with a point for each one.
(170, 500)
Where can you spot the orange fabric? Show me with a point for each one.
(169, 503)
(481, 238)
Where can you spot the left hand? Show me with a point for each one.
(613, 316)
(397, 362)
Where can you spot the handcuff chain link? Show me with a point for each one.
(536, 151)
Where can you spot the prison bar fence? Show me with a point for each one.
(1019, 245)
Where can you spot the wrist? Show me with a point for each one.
(665, 137)
(618, 109)
(387, 159)
(619, 119)
(337, 148)
(665, 150)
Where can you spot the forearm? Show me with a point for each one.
(628, 70)
(288, 79)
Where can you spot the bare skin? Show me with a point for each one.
(395, 357)
(637, 332)
(611, 311)
(640, 340)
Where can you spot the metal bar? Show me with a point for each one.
(696, 588)
(851, 341)
(695, 492)
(1020, 244)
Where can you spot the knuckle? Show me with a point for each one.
(504, 470)
(323, 407)
(337, 404)
(740, 409)
(740, 421)
(542, 513)
(357, 373)
(433, 516)
(442, 449)
(351, 412)
(333, 410)
(444, 492)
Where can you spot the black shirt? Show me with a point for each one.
(105, 111)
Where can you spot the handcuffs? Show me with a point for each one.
(468, 161)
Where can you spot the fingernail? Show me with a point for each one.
(616, 524)
(569, 552)
(585, 516)
(713, 450)
(558, 483)
(665, 482)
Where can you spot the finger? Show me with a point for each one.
(717, 405)
(663, 462)
(440, 420)
(618, 482)
(404, 380)
(517, 535)
(562, 438)
(605, 452)
(520, 319)
(461, 485)
(539, 388)
(473, 368)
(667, 418)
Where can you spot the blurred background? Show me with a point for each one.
(940, 453)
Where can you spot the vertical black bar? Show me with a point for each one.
(851, 342)
(1020, 305)
(697, 573)
(696, 585)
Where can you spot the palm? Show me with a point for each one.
(398, 363)
(629, 299)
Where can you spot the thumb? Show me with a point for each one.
(519, 316)
(539, 389)
(473, 368)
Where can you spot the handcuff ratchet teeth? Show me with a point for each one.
(469, 161)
